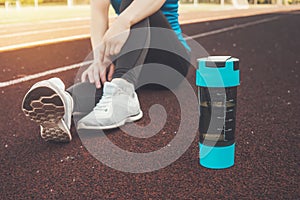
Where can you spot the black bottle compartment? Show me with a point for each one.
(217, 115)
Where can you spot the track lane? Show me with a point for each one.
(267, 135)
(185, 18)
(229, 26)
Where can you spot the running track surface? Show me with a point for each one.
(267, 135)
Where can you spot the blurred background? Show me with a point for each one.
(4, 3)
(37, 10)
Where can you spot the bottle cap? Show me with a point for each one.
(218, 71)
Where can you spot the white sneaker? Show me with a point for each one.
(48, 104)
(118, 105)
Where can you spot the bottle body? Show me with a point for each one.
(221, 132)
(217, 126)
(217, 80)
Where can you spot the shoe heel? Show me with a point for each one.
(43, 105)
(52, 132)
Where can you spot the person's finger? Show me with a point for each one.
(101, 52)
(103, 76)
(97, 78)
(111, 72)
(117, 49)
(84, 76)
(112, 50)
(91, 76)
(107, 50)
(106, 61)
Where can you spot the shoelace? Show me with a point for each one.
(106, 100)
(104, 103)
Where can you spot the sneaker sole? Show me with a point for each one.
(121, 123)
(45, 107)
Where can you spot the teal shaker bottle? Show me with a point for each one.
(217, 78)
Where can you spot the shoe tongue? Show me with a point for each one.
(109, 88)
(123, 85)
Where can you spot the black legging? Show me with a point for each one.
(84, 93)
(128, 61)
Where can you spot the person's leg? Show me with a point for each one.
(173, 53)
(86, 96)
(178, 60)
(134, 50)
(119, 103)
(85, 92)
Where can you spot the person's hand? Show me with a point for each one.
(112, 43)
(114, 39)
(97, 72)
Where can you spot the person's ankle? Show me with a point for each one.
(124, 84)
(121, 80)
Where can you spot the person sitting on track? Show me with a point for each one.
(113, 71)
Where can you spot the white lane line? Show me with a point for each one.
(74, 66)
(43, 31)
(83, 36)
(45, 22)
(229, 28)
(41, 74)
(43, 42)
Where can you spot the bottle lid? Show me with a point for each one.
(218, 71)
